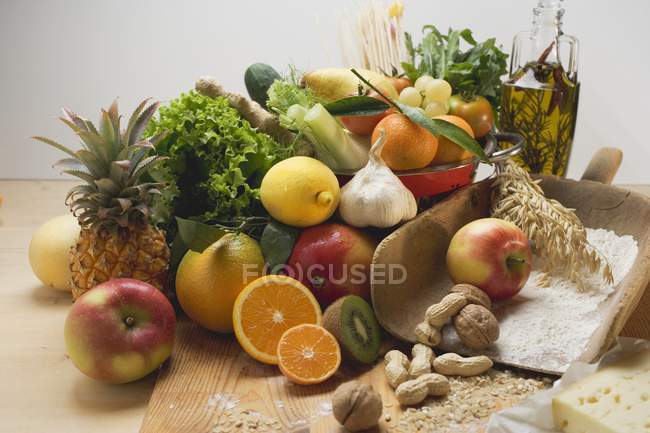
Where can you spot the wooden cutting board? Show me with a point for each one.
(209, 376)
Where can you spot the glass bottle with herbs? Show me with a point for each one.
(540, 97)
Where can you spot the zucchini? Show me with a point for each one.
(258, 78)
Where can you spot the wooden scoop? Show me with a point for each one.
(420, 246)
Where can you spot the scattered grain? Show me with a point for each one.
(469, 403)
(246, 421)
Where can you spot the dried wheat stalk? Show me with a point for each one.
(556, 232)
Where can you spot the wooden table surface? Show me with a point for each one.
(41, 389)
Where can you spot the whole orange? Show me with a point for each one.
(407, 145)
(448, 151)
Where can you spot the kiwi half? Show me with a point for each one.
(351, 320)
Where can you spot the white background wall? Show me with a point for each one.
(83, 53)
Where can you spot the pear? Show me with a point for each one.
(331, 84)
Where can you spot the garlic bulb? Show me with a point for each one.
(375, 196)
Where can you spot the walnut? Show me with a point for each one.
(473, 294)
(356, 406)
(476, 326)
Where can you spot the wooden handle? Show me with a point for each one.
(603, 165)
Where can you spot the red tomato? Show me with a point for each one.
(477, 112)
(364, 125)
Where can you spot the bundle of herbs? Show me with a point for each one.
(474, 72)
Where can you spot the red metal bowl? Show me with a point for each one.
(438, 179)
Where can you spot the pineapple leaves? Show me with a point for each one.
(144, 165)
(124, 203)
(83, 175)
(80, 190)
(95, 143)
(110, 166)
(55, 144)
(74, 119)
(95, 165)
(142, 121)
(119, 171)
(69, 164)
(112, 139)
(154, 140)
(126, 137)
(91, 127)
(107, 185)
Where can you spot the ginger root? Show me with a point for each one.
(253, 112)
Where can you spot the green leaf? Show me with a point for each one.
(177, 251)
(444, 128)
(126, 137)
(197, 236)
(277, 243)
(54, 144)
(357, 106)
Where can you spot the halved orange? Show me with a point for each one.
(266, 308)
(308, 354)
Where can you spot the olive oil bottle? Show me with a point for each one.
(540, 98)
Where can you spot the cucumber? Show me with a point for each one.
(258, 78)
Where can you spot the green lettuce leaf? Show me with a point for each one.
(216, 160)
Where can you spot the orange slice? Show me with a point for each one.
(308, 354)
(266, 308)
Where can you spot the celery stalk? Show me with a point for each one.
(334, 146)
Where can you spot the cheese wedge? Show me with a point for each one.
(616, 399)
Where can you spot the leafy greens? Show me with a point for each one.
(216, 160)
(474, 72)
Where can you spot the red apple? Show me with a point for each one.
(120, 330)
(492, 254)
(333, 260)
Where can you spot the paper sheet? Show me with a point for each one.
(534, 414)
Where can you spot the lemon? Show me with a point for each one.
(300, 191)
(208, 283)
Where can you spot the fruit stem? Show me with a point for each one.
(369, 84)
(129, 321)
(513, 261)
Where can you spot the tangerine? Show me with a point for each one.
(448, 151)
(408, 145)
(308, 354)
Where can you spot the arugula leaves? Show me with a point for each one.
(474, 72)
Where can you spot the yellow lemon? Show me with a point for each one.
(208, 283)
(300, 191)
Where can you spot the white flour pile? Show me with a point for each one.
(549, 327)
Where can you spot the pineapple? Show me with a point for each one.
(113, 206)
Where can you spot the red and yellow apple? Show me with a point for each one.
(491, 254)
(333, 260)
(120, 330)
